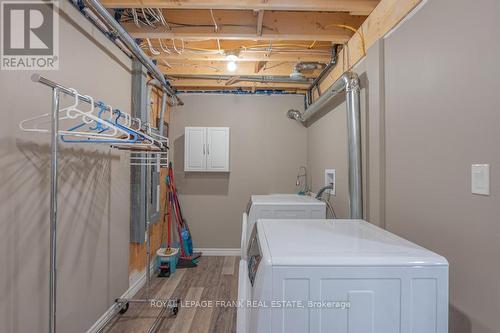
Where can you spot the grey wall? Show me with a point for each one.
(442, 115)
(266, 150)
(435, 112)
(93, 230)
(327, 141)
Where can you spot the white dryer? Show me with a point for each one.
(343, 276)
(279, 206)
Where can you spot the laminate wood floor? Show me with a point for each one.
(215, 279)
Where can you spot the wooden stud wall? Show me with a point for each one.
(137, 252)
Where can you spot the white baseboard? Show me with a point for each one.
(114, 308)
(214, 252)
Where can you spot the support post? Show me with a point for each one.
(53, 210)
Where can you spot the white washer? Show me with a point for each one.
(279, 206)
(360, 278)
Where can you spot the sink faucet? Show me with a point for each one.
(300, 175)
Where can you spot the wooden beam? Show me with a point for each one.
(260, 21)
(190, 84)
(247, 56)
(383, 18)
(232, 24)
(233, 80)
(357, 6)
(259, 65)
(220, 68)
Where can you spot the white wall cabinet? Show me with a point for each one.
(206, 149)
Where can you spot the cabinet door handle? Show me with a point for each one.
(208, 149)
(203, 149)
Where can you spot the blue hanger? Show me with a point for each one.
(135, 136)
(99, 127)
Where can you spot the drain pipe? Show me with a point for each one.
(348, 82)
(118, 31)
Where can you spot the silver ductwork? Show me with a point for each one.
(295, 114)
(304, 66)
(348, 82)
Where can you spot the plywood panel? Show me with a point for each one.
(137, 252)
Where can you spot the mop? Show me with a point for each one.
(188, 258)
(167, 255)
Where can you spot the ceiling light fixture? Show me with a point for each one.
(231, 66)
(231, 57)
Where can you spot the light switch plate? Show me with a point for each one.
(480, 179)
(329, 179)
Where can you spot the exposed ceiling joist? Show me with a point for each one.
(220, 68)
(259, 65)
(238, 25)
(337, 38)
(384, 18)
(248, 56)
(260, 21)
(191, 84)
(363, 7)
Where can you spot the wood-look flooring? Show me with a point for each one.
(215, 279)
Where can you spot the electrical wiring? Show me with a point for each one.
(151, 48)
(163, 19)
(153, 14)
(358, 31)
(135, 18)
(148, 22)
(182, 64)
(218, 46)
(148, 19)
(213, 20)
(274, 66)
(164, 48)
(166, 63)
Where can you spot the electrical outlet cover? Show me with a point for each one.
(480, 179)
(329, 179)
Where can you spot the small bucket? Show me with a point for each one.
(171, 257)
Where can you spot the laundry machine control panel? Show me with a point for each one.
(254, 255)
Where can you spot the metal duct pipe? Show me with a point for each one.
(271, 79)
(321, 75)
(296, 73)
(349, 82)
(132, 46)
(354, 146)
(308, 66)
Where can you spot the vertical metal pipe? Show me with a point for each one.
(349, 82)
(53, 210)
(354, 147)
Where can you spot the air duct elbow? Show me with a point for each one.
(295, 114)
